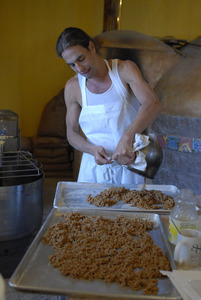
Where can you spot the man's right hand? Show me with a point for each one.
(101, 157)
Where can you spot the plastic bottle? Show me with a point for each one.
(183, 214)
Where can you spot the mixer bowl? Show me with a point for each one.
(21, 195)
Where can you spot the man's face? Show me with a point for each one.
(81, 60)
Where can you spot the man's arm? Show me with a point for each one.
(150, 107)
(72, 95)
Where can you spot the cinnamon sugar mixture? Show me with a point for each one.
(120, 250)
(152, 199)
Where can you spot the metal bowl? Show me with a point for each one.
(154, 157)
(21, 195)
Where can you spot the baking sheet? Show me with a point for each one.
(36, 274)
(74, 194)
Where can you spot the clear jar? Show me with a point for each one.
(183, 215)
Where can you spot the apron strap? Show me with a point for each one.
(82, 81)
(114, 80)
(117, 84)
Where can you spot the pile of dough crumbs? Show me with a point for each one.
(119, 250)
(152, 199)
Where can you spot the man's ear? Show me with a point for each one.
(91, 46)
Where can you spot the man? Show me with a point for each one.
(110, 102)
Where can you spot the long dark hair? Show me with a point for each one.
(73, 36)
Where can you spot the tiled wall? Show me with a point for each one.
(180, 139)
(182, 144)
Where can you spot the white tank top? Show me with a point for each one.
(116, 90)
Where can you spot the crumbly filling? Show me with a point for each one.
(152, 199)
(119, 250)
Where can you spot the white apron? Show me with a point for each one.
(103, 125)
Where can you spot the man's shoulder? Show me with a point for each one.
(123, 64)
(127, 68)
(72, 82)
(72, 91)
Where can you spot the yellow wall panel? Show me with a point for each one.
(159, 18)
(31, 73)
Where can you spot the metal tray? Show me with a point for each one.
(36, 274)
(74, 194)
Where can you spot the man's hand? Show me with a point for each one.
(124, 154)
(101, 157)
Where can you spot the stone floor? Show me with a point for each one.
(49, 189)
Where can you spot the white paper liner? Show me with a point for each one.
(188, 283)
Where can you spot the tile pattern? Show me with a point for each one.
(182, 144)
